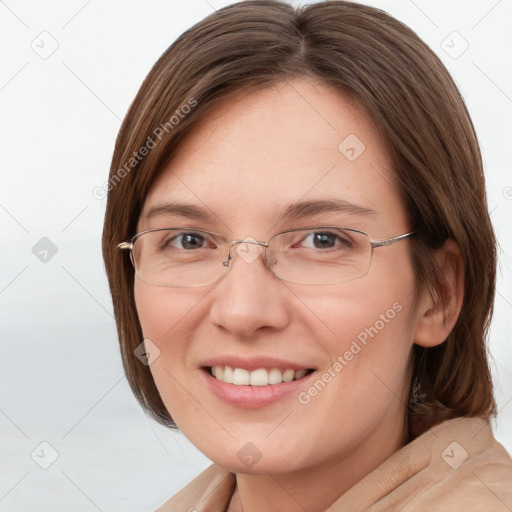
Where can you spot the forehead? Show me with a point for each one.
(256, 153)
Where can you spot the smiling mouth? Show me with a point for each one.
(259, 377)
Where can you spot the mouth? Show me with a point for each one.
(258, 378)
(254, 381)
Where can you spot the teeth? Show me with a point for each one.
(288, 375)
(241, 377)
(299, 374)
(226, 373)
(259, 377)
(275, 376)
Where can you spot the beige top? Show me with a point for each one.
(455, 466)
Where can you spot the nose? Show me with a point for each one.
(249, 297)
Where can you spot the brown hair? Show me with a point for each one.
(397, 79)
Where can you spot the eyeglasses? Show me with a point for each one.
(183, 257)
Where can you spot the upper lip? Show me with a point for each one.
(253, 363)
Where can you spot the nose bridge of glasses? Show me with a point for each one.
(246, 253)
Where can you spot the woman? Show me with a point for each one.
(302, 265)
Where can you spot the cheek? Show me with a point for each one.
(372, 314)
(367, 335)
(365, 377)
(167, 318)
(163, 313)
(371, 342)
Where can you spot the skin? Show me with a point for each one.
(249, 157)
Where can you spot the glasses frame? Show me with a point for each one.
(129, 245)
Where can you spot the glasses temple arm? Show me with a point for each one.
(390, 241)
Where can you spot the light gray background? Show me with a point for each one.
(61, 377)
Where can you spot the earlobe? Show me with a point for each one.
(437, 319)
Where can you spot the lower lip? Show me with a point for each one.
(253, 397)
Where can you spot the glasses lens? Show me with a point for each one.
(182, 257)
(179, 257)
(324, 255)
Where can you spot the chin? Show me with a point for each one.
(260, 467)
(247, 458)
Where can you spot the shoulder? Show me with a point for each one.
(213, 487)
(456, 465)
(476, 469)
(465, 468)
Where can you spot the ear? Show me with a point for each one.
(436, 320)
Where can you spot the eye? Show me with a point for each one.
(187, 241)
(325, 240)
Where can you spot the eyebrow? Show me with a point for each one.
(295, 211)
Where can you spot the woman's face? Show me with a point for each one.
(249, 159)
